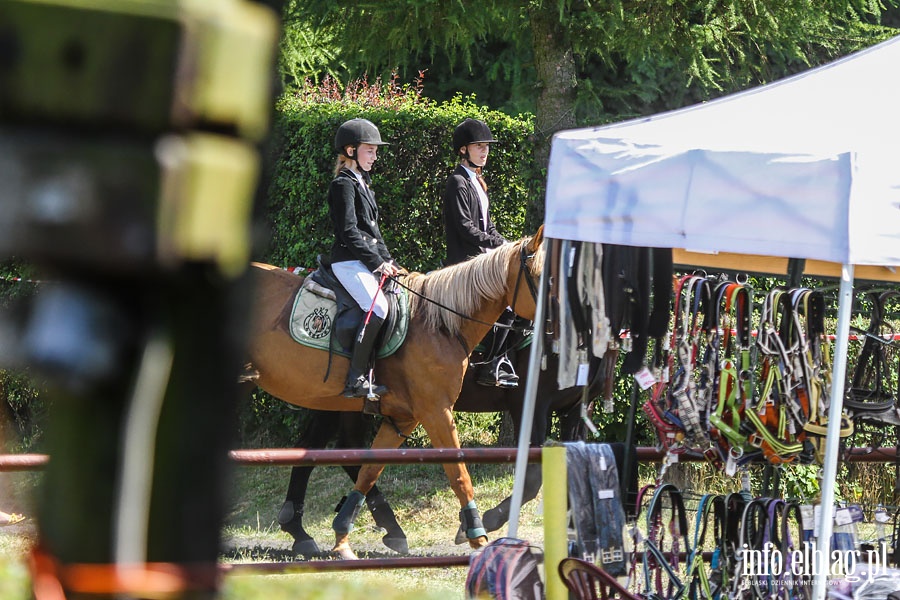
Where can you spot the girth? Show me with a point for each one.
(793, 586)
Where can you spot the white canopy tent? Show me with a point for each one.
(807, 167)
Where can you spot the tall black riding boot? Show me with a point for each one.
(358, 384)
(498, 370)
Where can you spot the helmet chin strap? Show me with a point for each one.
(365, 174)
(472, 164)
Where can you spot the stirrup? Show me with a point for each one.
(493, 374)
(361, 388)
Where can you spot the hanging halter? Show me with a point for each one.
(656, 560)
(768, 422)
(870, 394)
(735, 375)
(703, 583)
(671, 407)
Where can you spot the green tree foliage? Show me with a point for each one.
(631, 58)
(306, 54)
(21, 406)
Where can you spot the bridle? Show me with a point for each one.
(524, 257)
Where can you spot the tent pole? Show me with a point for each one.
(833, 439)
(534, 372)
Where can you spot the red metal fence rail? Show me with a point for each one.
(298, 456)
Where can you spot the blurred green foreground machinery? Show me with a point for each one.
(129, 168)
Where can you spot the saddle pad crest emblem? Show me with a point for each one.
(317, 323)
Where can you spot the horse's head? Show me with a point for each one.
(524, 275)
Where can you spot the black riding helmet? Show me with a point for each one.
(471, 131)
(355, 132)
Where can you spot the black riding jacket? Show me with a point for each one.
(354, 215)
(466, 231)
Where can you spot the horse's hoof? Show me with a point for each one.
(344, 553)
(494, 519)
(397, 544)
(306, 548)
(342, 548)
(460, 536)
(479, 542)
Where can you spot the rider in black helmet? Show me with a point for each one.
(470, 231)
(359, 255)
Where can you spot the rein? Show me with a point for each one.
(523, 269)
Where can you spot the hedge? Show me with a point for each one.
(408, 177)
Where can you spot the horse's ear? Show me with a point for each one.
(537, 240)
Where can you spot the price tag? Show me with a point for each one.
(581, 377)
(730, 465)
(848, 514)
(842, 516)
(644, 378)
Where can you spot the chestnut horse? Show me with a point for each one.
(349, 430)
(451, 310)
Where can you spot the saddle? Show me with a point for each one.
(325, 315)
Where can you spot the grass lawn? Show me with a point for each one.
(419, 494)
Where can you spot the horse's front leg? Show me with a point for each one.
(352, 434)
(390, 435)
(441, 428)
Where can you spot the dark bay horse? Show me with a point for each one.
(349, 430)
(424, 376)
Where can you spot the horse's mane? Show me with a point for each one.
(464, 286)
